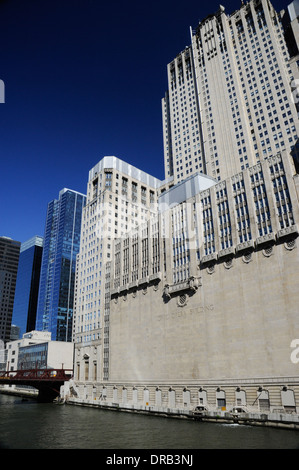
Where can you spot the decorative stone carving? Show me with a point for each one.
(191, 285)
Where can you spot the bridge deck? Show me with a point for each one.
(46, 381)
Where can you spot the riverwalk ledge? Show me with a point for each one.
(274, 419)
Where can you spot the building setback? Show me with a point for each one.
(27, 287)
(57, 279)
(9, 260)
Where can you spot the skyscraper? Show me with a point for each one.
(25, 305)
(9, 259)
(61, 245)
(228, 102)
(120, 197)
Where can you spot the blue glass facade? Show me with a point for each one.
(25, 304)
(57, 282)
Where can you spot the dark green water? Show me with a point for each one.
(32, 425)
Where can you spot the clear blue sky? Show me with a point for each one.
(83, 79)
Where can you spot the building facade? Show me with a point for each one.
(228, 102)
(36, 350)
(57, 279)
(9, 260)
(199, 300)
(27, 287)
(119, 198)
(204, 299)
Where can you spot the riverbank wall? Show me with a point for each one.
(278, 420)
(28, 392)
(192, 402)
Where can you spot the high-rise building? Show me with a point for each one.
(120, 197)
(25, 304)
(228, 102)
(9, 260)
(61, 245)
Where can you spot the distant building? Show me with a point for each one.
(35, 350)
(61, 245)
(9, 259)
(14, 332)
(25, 305)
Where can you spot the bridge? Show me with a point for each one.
(46, 381)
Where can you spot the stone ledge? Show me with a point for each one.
(293, 229)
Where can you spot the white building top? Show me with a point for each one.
(34, 241)
(129, 170)
(64, 190)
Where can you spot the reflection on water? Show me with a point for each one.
(32, 425)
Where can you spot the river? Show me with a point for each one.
(32, 425)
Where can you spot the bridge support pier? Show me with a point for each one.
(47, 394)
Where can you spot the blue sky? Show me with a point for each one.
(83, 79)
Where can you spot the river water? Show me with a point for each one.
(32, 425)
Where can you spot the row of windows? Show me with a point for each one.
(204, 219)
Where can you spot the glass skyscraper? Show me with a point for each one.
(25, 304)
(61, 245)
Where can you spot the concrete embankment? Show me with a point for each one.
(278, 420)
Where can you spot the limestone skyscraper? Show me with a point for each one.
(228, 102)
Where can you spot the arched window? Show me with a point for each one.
(220, 399)
(158, 397)
(240, 397)
(202, 397)
(115, 398)
(171, 398)
(288, 400)
(135, 395)
(146, 397)
(186, 397)
(124, 395)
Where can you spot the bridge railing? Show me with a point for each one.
(37, 374)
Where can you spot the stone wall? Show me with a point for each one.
(238, 324)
